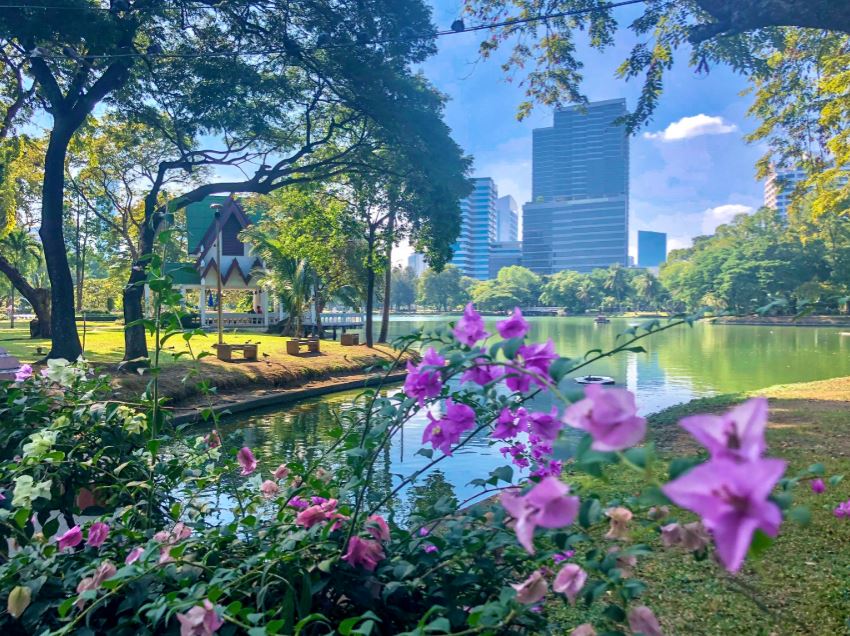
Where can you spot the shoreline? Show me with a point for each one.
(783, 321)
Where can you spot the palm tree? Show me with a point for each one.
(647, 288)
(22, 251)
(616, 282)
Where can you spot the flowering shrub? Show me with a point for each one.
(114, 528)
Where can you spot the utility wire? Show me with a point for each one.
(457, 29)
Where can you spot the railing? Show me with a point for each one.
(233, 320)
(330, 319)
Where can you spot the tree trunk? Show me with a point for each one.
(370, 285)
(388, 277)
(37, 297)
(12, 312)
(135, 337)
(65, 342)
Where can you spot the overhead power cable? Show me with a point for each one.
(457, 27)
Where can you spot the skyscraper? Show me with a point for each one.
(477, 230)
(578, 218)
(507, 220)
(779, 188)
(652, 248)
(416, 261)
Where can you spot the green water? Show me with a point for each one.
(680, 364)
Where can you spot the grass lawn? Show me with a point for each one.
(802, 584)
(104, 344)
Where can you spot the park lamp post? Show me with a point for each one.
(217, 207)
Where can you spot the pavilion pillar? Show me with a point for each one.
(202, 304)
(264, 303)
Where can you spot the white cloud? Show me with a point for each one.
(714, 217)
(694, 126)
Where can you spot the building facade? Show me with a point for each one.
(507, 219)
(779, 188)
(416, 261)
(504, 254)
(578, 218)
(652, 248)
(477, 230)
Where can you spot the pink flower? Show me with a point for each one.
(429, 548)
(97, 534)
(545, 425)
(569, 581)
(643, 621)
(531, 589)
(364, 552)
(842, 510)
(71, 538)
(280, 472)
(134, 555)
(201, 620)
(246, 460)
(442, 434)
(585, 629)
(104, 571)
(736, 435)
(298, 503)
(470, 328)
(610, 416)
(732, 499)
(691, 536)
(212, 439)
(319, 513)
(513, 327)
(378, 528)
(424, 381)
(546, 505)
(818, 486)
(179, 532)
(537, 357)
(24, 373)
(510, 423)
(482, 373)
(563, 556)
(269, 489)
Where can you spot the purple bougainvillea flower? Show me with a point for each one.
(818, 486)
(737, 435)
(610, 416)
(71, 538)
(23, 373)
(365, 553)
(378, 528)
(546, 505)
(513, 327)
(538, 356)
(201, 620)
(97, 534)
(280, 472)
(585, 629)
(643, 621)
(563, 556)
(424, 381)
(510, 423)
(531, 589)
(842, 510)
(569, 581)
(134, 555)
(545, 425)
(732, 499)
(518, 382)
(482, 373)
(443, 433)
(429, 548)
(246, 460)
(470, 328)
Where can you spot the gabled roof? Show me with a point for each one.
(200, 220)
(234, 265)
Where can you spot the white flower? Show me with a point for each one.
(25, 491)
(60, 371)
(40, 443)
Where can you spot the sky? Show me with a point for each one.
(691, 169)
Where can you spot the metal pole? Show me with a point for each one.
(217, 208)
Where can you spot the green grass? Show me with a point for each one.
(104, 346)
(801, 585)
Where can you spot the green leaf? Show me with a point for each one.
(590, 512)
(681, 465)
(801, 515)
(639, 456)
(760, 543)
(559, 369)
(817, 469)
(511, 347)
(835, 480)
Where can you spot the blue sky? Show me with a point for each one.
(690, 168)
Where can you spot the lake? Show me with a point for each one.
(680, 364)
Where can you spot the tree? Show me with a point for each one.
(647, 289)
(79, 55)
(20, 250)
(571, 290)
(404, 286)
(616, 283)
(442, 290)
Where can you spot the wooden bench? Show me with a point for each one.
(225, 351)
(9, 366)
(293, 347)
(349, 339)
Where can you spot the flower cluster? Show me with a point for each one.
(731, 491)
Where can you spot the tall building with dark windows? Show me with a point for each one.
(477, 230)
(578, 217)
(652, 248)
